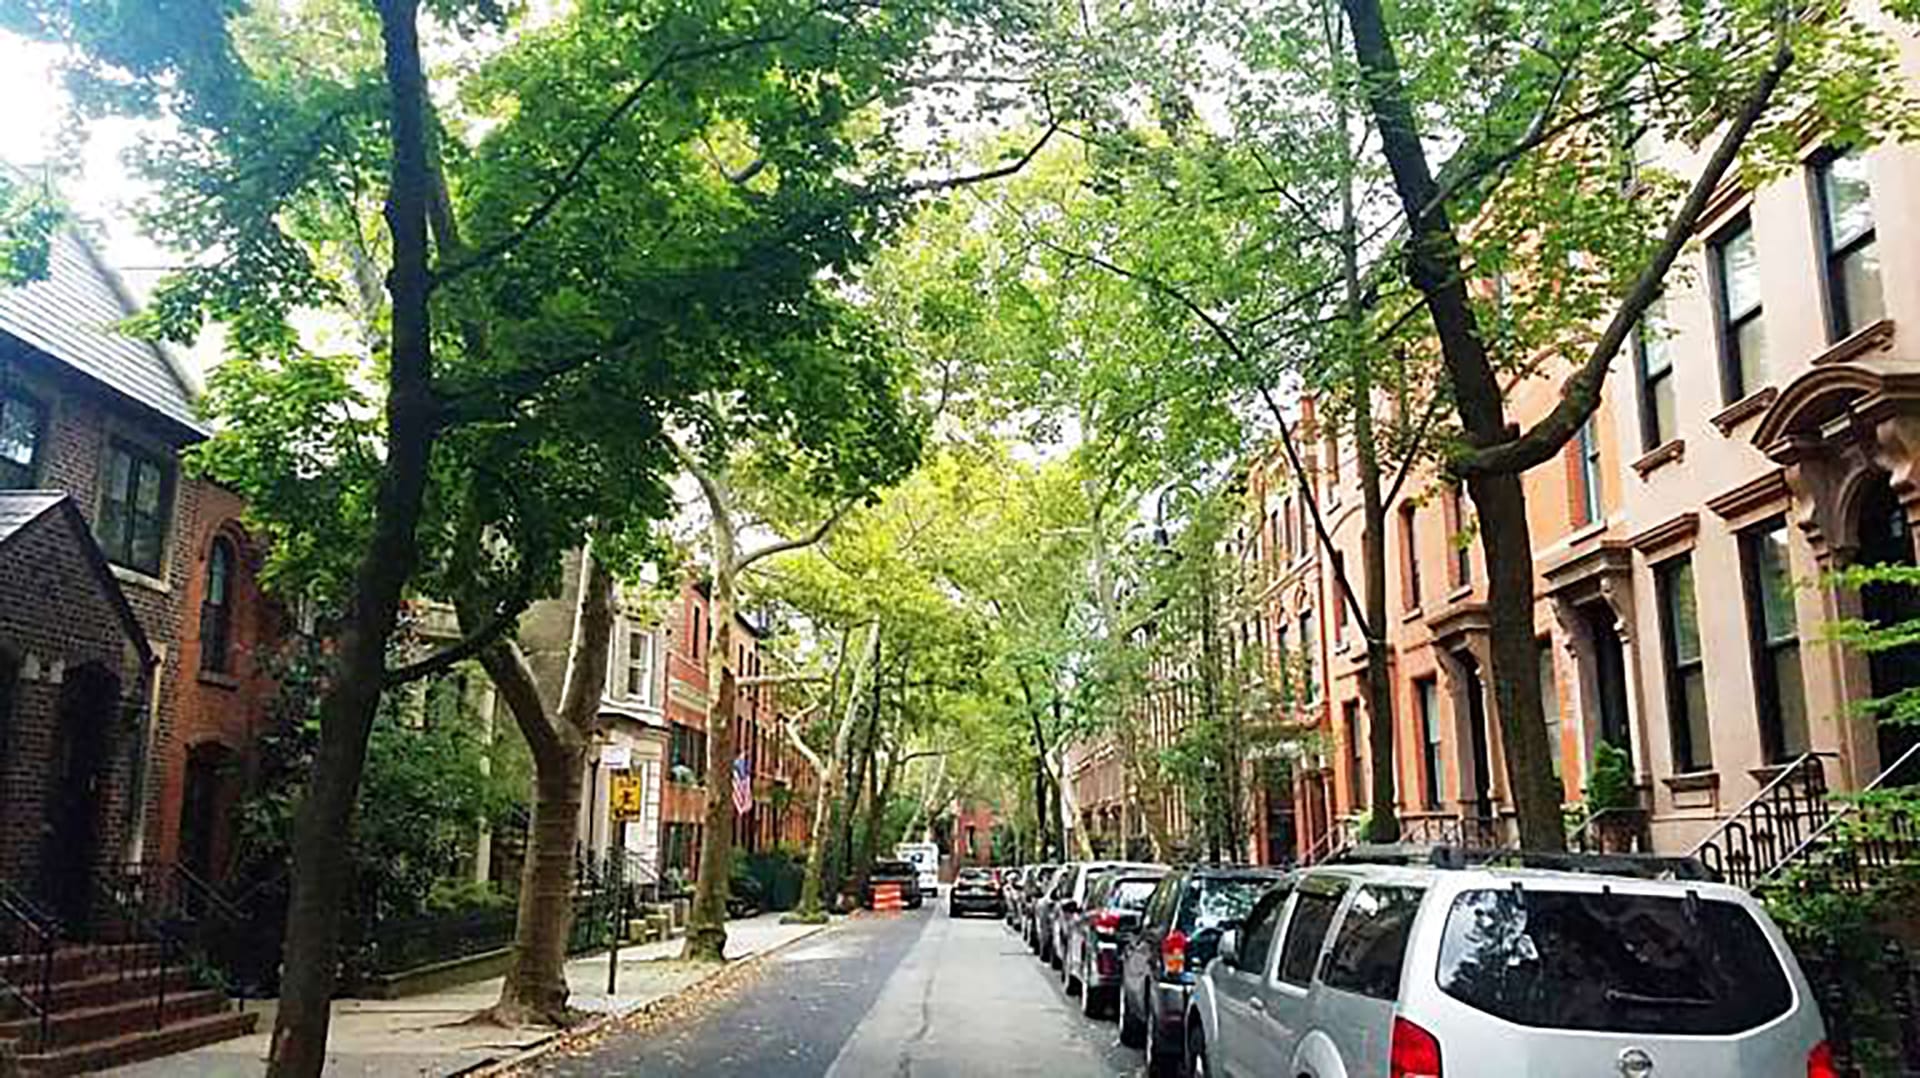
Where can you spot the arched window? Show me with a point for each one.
(216, 609)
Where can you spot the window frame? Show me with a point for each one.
(1839, 319)
(1586, 448)
(37, 409)
(1426, 694)
(216, 615)
(1652, 435)
(1311, 889)
(1410, 583)
(1764, 652)
(1356, 762)
(1687, 757)
(1727, 322)
(121, 553)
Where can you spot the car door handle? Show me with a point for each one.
(1257, 1005)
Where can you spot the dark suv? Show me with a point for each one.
(1178, 936)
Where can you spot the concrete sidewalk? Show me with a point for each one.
(425, 1035)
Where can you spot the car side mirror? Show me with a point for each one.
(1230, 946)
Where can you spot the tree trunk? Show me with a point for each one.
(1433, 266)
(1383, 821)
(707, 922)
(1516, 661)
(861, 823)
(320, 860)
(535, 989)
(811, 897)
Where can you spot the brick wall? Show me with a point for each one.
(56, 621)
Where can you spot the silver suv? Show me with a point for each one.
(1371, 970)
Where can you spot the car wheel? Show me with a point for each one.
(1133, 1033)
(1089, 996)
(1161, 1062)
(1197, 1066)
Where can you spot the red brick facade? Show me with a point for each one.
(777, 818)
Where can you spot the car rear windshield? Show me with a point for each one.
(1213, 901)
(1606, 961)
(1131, 894)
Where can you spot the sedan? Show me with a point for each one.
(974, 892)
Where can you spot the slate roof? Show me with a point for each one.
(20, 508)
(70, 315)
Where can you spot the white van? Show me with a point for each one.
(924, 856)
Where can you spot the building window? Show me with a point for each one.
(22, 425)
(1458, 538)
(133, 510)
(1586, 484)
(1433, 781)
(687, 754)
(1743, 334)
(1847, 237)
(1356, 754)
(1686, 676)
(1339, 597)
(640, 665)
(216, 608)
(1779, 694)
(1285, 663)
(1409, 558)
(1550, 705)
(1309, 674)
(1653, 359)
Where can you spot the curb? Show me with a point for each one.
(593, 1025)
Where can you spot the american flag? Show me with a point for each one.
(742, 785)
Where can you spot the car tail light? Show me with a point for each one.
(1173, 953)
(1820, 1062)
(1107, 921)
(1415, 1053)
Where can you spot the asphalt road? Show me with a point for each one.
(914, 995)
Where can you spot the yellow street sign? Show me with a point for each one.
(625, 796)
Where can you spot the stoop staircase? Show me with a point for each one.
(129, 992)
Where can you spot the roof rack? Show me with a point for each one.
(1646, 866)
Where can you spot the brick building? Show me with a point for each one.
(783, 783)
(103, 419)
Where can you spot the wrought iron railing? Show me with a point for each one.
(1860, 839)
(28, 941)
(1467, 832)
(1760, 835)
(1870, 998)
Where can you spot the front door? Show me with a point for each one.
(1885, 539)
(1480, 781)
(75, 801)
(1610, 675)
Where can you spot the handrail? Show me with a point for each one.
(1847, 810)
(43, 931)
(1791, 769)
(1577, 838)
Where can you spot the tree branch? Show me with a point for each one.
(598, 138)
(783, 546)
(503, 619)
(1581, 393)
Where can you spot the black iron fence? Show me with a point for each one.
(1868, 996)
(1773, 826)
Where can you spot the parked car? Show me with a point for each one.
(1034, 893)
(1372, 969)
(1065, 900)
(974, 892)
(904, 873)
(1094, 936)
(1177, 937)
(1012, 881)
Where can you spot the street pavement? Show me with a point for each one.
(909, 995)
(427, 1036)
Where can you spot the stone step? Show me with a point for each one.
(98, 989)
(78, 961)
(74, 1026)
(139, 1045)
